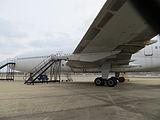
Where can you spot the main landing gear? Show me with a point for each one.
(111, 82)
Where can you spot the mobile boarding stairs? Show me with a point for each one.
(53, 63)
(7, 69)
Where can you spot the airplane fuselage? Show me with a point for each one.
(145, 60)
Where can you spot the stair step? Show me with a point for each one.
(43, 67)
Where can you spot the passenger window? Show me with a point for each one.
(156, 47)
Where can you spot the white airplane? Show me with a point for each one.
(119, 40)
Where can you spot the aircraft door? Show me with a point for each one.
(148, 50)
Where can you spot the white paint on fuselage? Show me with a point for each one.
(27, 64)
(147, 60)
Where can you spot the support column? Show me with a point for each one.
(117, 74)
(105, 70)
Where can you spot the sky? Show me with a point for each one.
(35, 26)
(42, 25)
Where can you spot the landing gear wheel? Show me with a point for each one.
(114, 79)
(121, 79)
(99, 82)
(111, 82)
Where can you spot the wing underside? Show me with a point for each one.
(116, 33)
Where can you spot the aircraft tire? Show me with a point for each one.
(121, 79)
(99, 82)
(111, 82)
(115, 80)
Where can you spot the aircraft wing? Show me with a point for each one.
(117, 32)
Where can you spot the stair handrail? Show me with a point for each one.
(9, 60)
(3, 62)
(50, 57)
(45, 61)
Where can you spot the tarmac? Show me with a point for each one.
(138, 99)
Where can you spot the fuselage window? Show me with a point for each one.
(156, 47)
